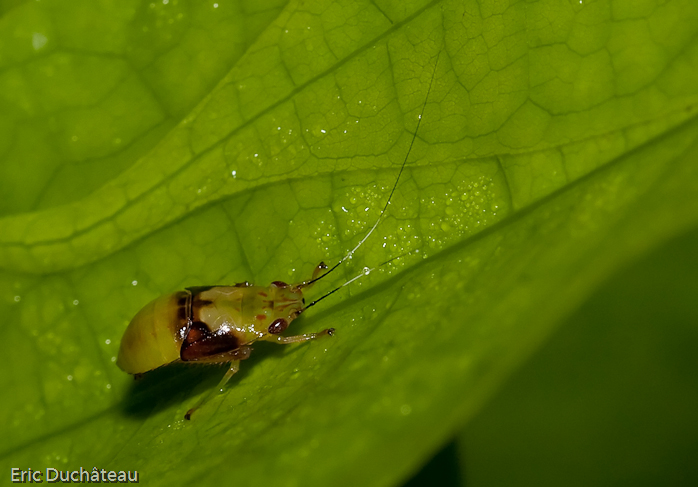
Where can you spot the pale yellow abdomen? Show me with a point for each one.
(154, 336)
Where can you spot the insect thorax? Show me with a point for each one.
(245, 311)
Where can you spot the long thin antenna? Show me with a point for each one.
(390, 196)
(365, 272)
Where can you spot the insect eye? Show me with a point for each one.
(279, 284)
(278, 326)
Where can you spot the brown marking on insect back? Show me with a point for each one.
(195, 290)
(261, 317)
(182, 312)
(197, 331)
(196, 300)
(278, 326)
(181, 301)
(198, 303)
(263, 294)
(201, 343)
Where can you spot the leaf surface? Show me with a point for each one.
(558, 141)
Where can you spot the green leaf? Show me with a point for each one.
(148, 147)
(609, 399)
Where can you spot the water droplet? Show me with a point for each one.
(38, 40)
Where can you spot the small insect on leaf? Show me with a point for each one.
(218, 324)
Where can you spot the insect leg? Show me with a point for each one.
(234, 367)
(303, 338)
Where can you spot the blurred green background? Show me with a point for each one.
(610, 400)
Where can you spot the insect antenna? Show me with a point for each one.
(366, 271)
(385, 207)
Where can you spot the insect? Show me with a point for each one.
(219, 324)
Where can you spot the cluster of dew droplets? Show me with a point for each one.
(459, 209)
(360, 202)
(325, 234)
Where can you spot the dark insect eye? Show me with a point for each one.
(278, 326)
(279, 284)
